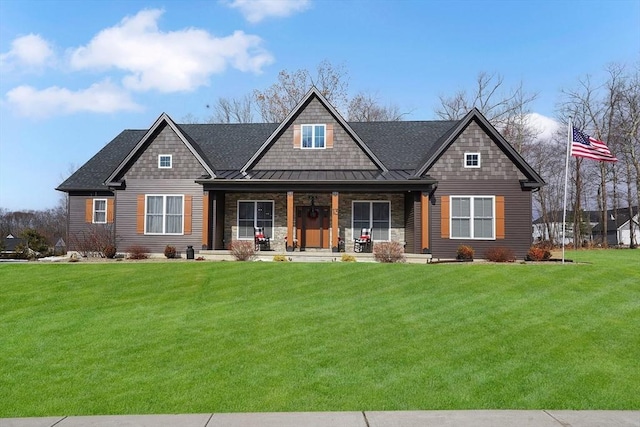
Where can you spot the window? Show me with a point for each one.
(255, 213)
(375, 215)
(164, 214)
(472, 217)
(313, 136)
(164, 161)
(99, 211)
(471, 160)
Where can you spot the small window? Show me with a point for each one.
(471, 160)
(313, 136)
(164, 161)
(99, 211)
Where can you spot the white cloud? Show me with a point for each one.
(257, 10)
(168, 61)
(30, 51)
(545, 127)
(103, 97)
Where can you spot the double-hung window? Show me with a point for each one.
(254, 213)
(164, 214)
(99, 211)
(313, 136)
(473, 217)
(375, 215)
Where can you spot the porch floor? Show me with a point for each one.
(312, 255)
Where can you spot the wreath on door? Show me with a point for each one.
(313, 213)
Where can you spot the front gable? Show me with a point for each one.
(342, 148)
(474, 135)
(166, 139)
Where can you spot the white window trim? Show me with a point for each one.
(466, 165)
(471, 218)
(313, 136)
(160, 156)
(106, 208)
(255, 216)
(355, 233)
(164, 214)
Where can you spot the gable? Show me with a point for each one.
(343, 152)
(164, 141)
(494, 162)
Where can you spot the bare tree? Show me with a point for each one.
(278, 100)
(507, 110)
(364, 107)
(233, 110)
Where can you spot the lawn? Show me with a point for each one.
(196, 337)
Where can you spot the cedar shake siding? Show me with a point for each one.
(344, 154)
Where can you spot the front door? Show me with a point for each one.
(312, 223)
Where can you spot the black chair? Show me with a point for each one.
(364, 243)
(263, 243)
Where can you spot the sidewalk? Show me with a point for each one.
(480, 418)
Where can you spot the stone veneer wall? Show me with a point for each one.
(321, 199)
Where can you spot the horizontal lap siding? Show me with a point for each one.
(517, 217)
(126, 221)
(77, 224)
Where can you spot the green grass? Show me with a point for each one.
(124, 338)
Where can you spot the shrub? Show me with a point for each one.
(243, 250)
(388, 252)
(170, 251)
(109, 251)
(538, 254)
(92, 241)
(137, 252)
(499, 254)
(348, 258)
(465, 252)
(280, 258)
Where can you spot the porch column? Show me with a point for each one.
(334, 222)
(290, 218)
(424, 222)
(206, 220)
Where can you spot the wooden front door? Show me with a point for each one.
(312, 224)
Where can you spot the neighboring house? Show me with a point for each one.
(9, 246)
(309, 181)
(619, 227)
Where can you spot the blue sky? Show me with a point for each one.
(75, 73)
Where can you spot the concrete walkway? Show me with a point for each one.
(481, 418)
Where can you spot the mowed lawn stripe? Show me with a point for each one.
(114, 338)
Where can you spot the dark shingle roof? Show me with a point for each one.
(227, 147)
(91, 175)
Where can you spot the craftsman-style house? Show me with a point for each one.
(312, 181)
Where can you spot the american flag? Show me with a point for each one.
(582, 145)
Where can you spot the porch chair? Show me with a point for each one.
(364, 243)
(263, 243)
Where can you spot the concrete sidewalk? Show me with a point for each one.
(480, 418)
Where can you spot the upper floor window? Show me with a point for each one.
(165, 161)
(471, 160)
(164, 214)
(99, 211)
(313, 136)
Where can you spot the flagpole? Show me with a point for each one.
(566, 178)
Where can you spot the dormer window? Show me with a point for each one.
(313, 136)
(164, 161)
(471, 160)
